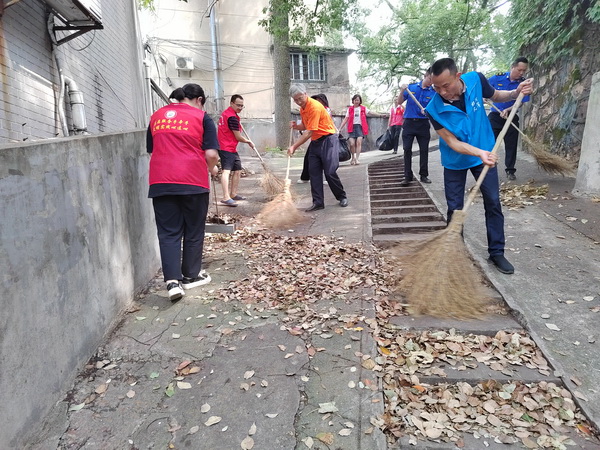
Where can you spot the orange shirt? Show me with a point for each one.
(316, 119)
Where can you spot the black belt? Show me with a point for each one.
(323, 137)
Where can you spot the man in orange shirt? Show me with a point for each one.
(323, 149)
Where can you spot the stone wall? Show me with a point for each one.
(77, 239)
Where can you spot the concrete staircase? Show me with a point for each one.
(399, 212)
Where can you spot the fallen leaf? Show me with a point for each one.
(170, 390)
(252, 430)
(194, 429)
(326, 438)
(212, 420)
(205, 408)
(248, 374)
(345, 432)
(101, 389)
(248, 443)
(272, 416)
(552, 327)
(130, 393)
(308, 441)
(183, 385)
(325, 408)
(154, 375)
(76, 407)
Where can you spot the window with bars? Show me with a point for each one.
(307, 67)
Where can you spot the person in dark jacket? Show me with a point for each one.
(182, 141)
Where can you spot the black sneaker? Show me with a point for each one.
(202, 278)
(175, 290)
(425, 180)
(502, 264)
(511, 176)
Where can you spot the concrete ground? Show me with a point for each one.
(136, 393)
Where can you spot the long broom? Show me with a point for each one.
(281, 212)
(270, 182)
(443, 281)
(550, 162)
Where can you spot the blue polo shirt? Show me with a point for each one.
(423, 95)
(502, 82)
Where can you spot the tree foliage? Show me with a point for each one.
(310, 19)
(149, 4)
(420, 31)
(556, 24)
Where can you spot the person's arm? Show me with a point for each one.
(210, 145)
(488, 158)
(303, 138)
(242, 139)
(149, 140)
(345, 121)
(526, 87)
(390, 118)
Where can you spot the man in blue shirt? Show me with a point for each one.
(466, 139)
(507, 82)
(416, 125)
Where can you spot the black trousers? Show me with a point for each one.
(305, 175)
(324, 158)
(396, 131)
(511, 139)
(181, 217)
(419, 129)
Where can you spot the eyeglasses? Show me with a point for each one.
(238, 106)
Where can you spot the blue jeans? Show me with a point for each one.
(454, 187)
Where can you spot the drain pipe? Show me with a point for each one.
(77, 107)
(215, 56)
(75, 95)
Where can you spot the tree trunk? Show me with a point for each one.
(281, 59)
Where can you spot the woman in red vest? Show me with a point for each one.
(357, 127)
(182, 141)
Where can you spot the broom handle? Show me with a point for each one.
(287, 172)
(247, 137)
(415, 99)
(499, 140)
(496, 108)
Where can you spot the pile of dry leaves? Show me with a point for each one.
(515, 196)
(288, 270)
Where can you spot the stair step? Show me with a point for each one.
(406, 218)
(384, 210)
(401, 202)
(412, 227)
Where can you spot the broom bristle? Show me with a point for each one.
(441, 278)
(281, 212)
(271, 183)
(549, 162)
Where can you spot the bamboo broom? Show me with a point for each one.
(281, 212)
(442, 280)
(550, 162)
(270, 182)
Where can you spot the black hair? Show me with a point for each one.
(358, 97)
(322, 99)
(520, 59)
(443, 64)
(428, 71)
(234, 97)
(191, 91)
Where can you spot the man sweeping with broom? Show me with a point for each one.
(458, 115)
(323, 149)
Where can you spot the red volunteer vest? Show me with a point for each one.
(177, 154)
(227, 140)
(363, 120)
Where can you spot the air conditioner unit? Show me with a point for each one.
(184, 63)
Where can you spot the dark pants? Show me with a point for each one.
(181, 217)
(396, 130)
(416, 128)
(305, 175)
(324, 158)
(454, 187)
(511, 139)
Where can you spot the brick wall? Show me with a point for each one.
(105, 65)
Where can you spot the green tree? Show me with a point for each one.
(300, 23)
(420, 31)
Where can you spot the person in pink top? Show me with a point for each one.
(358, 127)
(396, 120)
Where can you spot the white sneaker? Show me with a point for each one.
(175, 290)
(325, 182)
(202, 278)
(301, 181)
